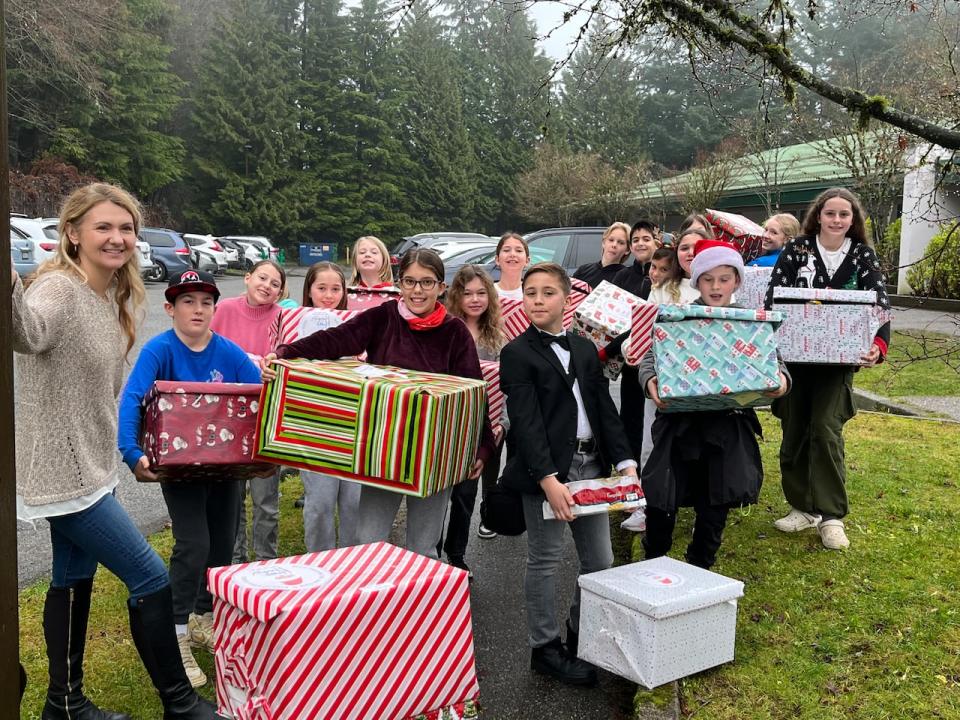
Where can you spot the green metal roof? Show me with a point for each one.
(801, 170)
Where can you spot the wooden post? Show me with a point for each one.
(9, 620)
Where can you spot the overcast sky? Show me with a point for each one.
(547, 16)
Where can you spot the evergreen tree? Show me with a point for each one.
(442, 184)
(245, 141)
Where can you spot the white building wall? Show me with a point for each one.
(925, 207)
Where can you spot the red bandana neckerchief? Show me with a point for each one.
(429, 322)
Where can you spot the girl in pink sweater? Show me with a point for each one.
(247, 321)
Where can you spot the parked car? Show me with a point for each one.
(429, 240)
(171, 254)
(202, 259)
(211, 247)
(32, 230)
(264, 249)
(144, 254)
(235, 253)
(448, 250)
(21, 253)
(479, 255)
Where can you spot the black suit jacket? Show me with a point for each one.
(543, 411)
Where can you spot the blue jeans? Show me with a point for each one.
(104, 533)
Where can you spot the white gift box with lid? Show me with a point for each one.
(658, 620)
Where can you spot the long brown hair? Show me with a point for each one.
(490, 323)
(857, 231)
(316, 269)
(128, 290)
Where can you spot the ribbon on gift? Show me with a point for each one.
(739, 230)
(515, 320)
(676, 313)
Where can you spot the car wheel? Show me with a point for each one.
(153, 273)
(162, 272)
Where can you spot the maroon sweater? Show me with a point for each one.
(388, 340)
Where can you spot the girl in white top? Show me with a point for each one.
(512, 256)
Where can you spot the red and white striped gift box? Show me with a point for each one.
(515, 319)
(496, 400)
(295, 323)
(371, 632)
(641, 332)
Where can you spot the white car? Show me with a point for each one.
(447, 250)
(49, 227)
(43, 246)
(211, 247)
(258, 248)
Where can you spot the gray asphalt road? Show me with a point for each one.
(142, 500)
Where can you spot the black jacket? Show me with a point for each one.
(543, 410)
(594, 273)
(635, 279)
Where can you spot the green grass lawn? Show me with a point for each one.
(114, 676)
(873, 632)
(905, 374)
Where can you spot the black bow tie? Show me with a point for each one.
(547, 339)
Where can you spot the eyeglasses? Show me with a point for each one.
(408, 283)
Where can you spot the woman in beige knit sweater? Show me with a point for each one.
(73, 329)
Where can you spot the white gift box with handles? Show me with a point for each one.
(658, 620)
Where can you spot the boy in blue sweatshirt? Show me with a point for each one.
(203, 515)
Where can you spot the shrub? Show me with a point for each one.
(938, 273)
(888, 248)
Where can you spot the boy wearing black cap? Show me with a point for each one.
(203, 515)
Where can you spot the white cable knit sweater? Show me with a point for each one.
(69, 373)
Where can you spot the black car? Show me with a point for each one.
(171, 254)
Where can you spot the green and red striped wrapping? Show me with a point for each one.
(415, 433)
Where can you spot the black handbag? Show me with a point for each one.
(502, 511)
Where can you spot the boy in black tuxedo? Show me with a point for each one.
(563, 427)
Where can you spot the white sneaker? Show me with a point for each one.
(795, 521)
(637, 522)
(833, 536)
(194, 673)
(200, 630)
(485, 532)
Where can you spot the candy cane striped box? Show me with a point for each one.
(515, 319)
(414, 433)
(496, 400)
(371, 632)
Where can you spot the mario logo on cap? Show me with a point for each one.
(189, 276)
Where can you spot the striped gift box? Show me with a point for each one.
(415, 433)
(515, 319)
(496, 400)
(295, 323)
(372, 631)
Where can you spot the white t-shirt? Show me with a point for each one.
(515, 294)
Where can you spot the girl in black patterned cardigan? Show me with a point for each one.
(832, 252)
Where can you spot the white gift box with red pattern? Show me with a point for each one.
(372, 631)
(753, 290)
(658, 620)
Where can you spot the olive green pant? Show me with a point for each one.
(812, 416)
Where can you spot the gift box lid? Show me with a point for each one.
(662, 587)
(174, 387)
(824, 295)
(267, 588)
(677, 313)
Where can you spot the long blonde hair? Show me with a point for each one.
(386, 272)
(129, 292)
(490, 323)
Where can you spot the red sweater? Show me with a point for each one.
(388, 340)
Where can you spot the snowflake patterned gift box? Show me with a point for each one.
(657, 621)
(371, 631)
(201, 431)
(826, 326)
(414, 433)
(715, 358)
(752, 292)
(608, 312)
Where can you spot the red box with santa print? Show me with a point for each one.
(196, 431)
(372, 631)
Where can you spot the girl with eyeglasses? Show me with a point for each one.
(415, 333)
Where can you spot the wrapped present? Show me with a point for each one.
(601, 495)
(739, 230)
(657, 621)
(753, 290)
(496, 400)
(821, 325)
(714, 358)
(515, 319)
(371, 631)
(201, 431)
(641, 336)
(295, 323)
(415, 433)
(608, 312)
(363, 298)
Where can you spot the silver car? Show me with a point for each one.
(144, 253)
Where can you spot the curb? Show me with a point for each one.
(925, 303)
(865, 400)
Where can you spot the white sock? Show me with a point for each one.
(181, 629)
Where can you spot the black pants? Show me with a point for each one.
(204, 518)
(462, 501)
(631, 408)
